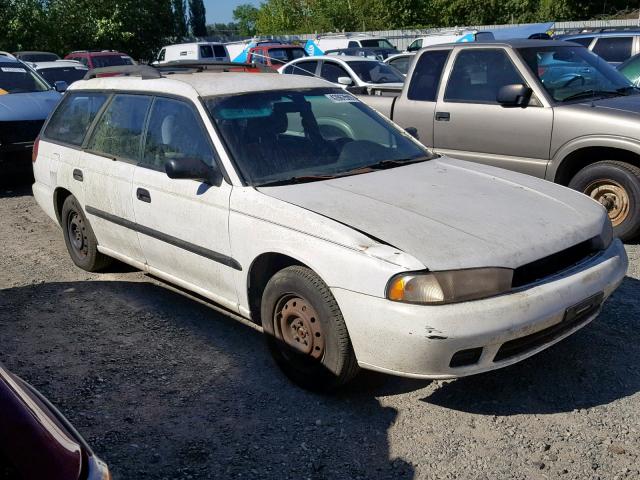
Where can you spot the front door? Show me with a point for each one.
(471, 125)
(110, 157)
(183, 224)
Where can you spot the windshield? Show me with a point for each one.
(16, 78)
(376, 72)
(285, 55)
(380, 43)
(102, 61)
(319, 133)
(569, 73)
(63, 74)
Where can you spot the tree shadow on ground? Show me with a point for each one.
(165, 387)
(595, 366)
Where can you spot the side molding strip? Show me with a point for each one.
(176, 242)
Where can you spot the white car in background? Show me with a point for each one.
(347, 72)
(193, 52)
(67, 71)
(293, 204)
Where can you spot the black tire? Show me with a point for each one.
(79, 238)
(321, 369)
(617, 186)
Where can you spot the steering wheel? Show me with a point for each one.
(575, 78)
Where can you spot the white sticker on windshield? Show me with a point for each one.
(12, 70)
(341, 98)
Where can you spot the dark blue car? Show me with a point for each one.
(25, 102)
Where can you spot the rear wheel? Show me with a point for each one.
(616, 185)
(79, 238)
(305, 331)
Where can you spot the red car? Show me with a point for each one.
(275, 55)
(37, 441)
(101, 58)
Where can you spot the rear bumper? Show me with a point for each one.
(421, 341)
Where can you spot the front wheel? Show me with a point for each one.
(616, 185)
(305, 331)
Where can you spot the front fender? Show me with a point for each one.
(589, 141)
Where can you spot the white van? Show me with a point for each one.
(332, 42)
(200, 51)
(448, 37)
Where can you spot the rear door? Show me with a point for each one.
(111, 154)
(471, 125)
(183, 224)
(417, 105)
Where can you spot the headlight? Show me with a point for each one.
(449, 287)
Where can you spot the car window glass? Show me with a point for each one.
(71, 120)
(161, 55)
(206, 51)
(102, 61)
(478, 75)
(276, 135)
(352, 44)
(331, 71)
(426, 76)
(63, 74)
(614, 49)
(585, 41)
(174, 132)
(15, 77)
(219, 51)
(401, 64)
(304, 68)
(375, 72)
(119, 130)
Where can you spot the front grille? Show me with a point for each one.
(573, 317)
(19, 131)
(547, 266)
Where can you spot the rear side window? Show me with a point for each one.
(118, 132)
(206, 51)
(614, 49)
(174, 132)
(303, 68)
(162, 54)
(219, 51)
(71, 120)
(401, 64)
(426, 76)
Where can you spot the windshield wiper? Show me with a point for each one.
(595, 93)
(297, 179)
(395, 163)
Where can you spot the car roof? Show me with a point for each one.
(59, 64)
(513, 43)
(205, 84)
(621, 33)
(31, 52)
(278, 45)
(99, 53)
(342, 58)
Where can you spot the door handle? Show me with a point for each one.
(443, 116)
(143, 195)
(77, 175)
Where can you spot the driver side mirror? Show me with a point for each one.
(60, 86)
(515, 95)
(192, 169)
(345, 80)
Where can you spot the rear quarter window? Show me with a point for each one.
(72, 119)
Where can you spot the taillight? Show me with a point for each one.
(34, 153)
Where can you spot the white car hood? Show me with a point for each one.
(451, 214)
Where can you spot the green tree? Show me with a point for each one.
(197, 18)
(246, 15)
(181, 30)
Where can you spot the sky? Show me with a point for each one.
(221, 11)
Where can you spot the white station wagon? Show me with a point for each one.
(293, 204)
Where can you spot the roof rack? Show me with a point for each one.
(144, 71)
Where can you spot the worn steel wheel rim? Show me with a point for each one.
(76, 231)
(613, 197)
(297, 324)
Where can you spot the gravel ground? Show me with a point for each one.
(166, 387)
